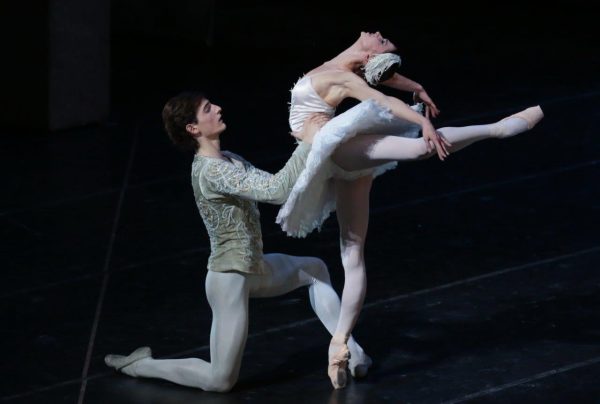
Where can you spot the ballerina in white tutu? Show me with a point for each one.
(359, 144)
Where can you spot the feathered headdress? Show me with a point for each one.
(378, 65)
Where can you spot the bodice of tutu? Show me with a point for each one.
(306, 101)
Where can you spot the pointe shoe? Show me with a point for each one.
(118, 362)
(337, 367)
(360, 369)
(517, 123)
(531, 115)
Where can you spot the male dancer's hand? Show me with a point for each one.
(311, 126)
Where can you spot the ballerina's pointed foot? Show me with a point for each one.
(519, 122)
(531, 115)
(337, 367)
(121, 362)
(359, 366)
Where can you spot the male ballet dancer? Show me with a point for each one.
(227, 189)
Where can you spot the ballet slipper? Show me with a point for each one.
(530, 115)
(118, 362)
(359, 367)
(517, 123)
(337, 367)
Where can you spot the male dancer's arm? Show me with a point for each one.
(223, 178)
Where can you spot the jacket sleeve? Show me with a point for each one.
(224, 178)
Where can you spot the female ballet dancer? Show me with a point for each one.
(353, 148)
(227, 189)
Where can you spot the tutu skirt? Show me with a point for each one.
(312, 198)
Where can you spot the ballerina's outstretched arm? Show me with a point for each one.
(403, 83)
(354, 87)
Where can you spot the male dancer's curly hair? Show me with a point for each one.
(178, 112)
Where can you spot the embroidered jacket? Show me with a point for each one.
(227, 194)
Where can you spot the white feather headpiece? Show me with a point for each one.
(378, 64)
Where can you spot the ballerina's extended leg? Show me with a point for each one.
(367, 151)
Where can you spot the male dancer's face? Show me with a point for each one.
(209, 121)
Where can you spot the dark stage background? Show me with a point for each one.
(483, 270)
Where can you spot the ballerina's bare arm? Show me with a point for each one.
(403, 83)
(355, 87)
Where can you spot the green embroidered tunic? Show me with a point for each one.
(227, 194)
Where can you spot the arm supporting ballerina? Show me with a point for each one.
(225, 178)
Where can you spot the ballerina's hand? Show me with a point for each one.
(440, 135)
(422, 96)
(311, 126)
(435, 140)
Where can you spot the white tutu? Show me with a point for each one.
(312, 198)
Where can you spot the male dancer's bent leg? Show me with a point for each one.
(227, 294)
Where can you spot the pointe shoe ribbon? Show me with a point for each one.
(337, 367)
(120, 361)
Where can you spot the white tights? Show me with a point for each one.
(366, 151)
(228, 294)
(352, 198)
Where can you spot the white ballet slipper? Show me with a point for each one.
(359, 367)
(118, 362)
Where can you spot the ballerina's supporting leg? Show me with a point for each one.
(352, 199)
(290, 273)
(230, 323)
(366, 151)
